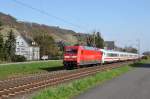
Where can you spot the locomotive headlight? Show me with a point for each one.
(70, 56)
(74, 57)
(66, 56)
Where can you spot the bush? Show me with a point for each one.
(18, 58)
(145, 57)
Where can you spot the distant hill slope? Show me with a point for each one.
(33, 29)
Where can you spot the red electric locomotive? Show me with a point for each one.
(76, 56)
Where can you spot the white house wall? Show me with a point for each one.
(23, 48)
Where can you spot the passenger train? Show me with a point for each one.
(78, 56)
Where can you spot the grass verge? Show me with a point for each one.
(12, 70)
(66, 91)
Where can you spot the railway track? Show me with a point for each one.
(17, 86)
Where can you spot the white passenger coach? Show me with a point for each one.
(115, 56)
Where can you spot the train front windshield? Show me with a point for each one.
(71, 51)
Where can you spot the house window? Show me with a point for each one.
(22, 49)
(18, 49)
(21, 43)
(17, 43)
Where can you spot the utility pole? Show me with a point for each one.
(94, 45)
(138, 41)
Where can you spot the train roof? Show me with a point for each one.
(112, 51)
(102, 50)
(83, 47)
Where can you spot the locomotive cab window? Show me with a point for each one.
(71, 51)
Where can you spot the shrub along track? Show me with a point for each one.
(18, 86)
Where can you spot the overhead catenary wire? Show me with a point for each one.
(47, 13)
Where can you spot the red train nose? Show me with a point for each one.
(70, 57)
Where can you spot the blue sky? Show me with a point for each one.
(123, 21)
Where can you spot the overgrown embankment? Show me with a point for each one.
(21, 69)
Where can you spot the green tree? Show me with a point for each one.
(1, 23)
(95, 40)
(47, 45)
(1, 47)
(61, 45)
(10, 46)
(89, 40)
(99, 42)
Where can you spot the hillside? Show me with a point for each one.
(33, 29)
